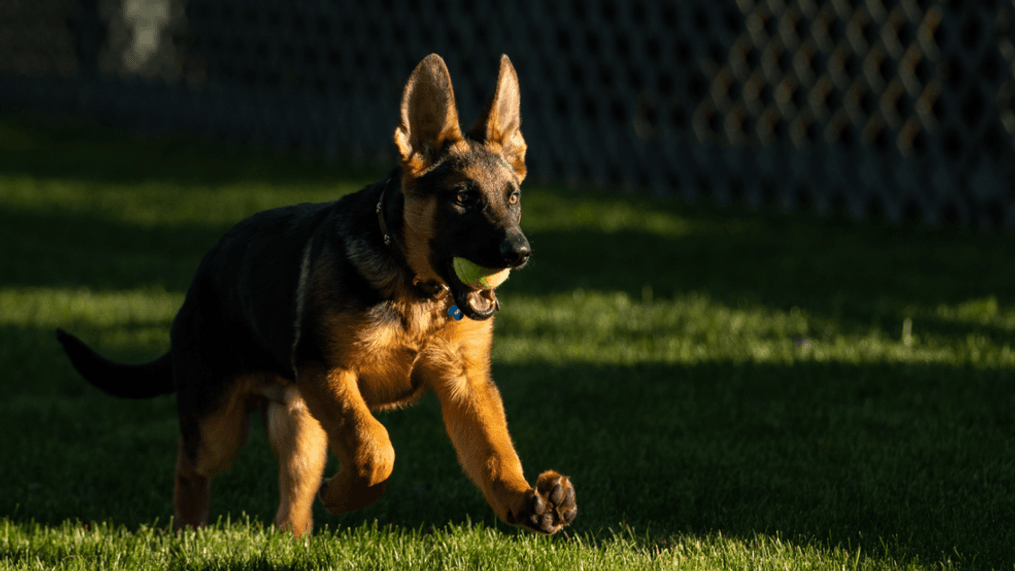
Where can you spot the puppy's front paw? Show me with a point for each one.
(550, 505)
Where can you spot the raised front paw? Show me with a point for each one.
(550, 505)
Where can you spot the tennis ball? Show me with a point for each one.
(478, 276)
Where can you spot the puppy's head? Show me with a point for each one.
(461, 192)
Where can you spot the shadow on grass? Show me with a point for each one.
(855, 455)
(73, 250)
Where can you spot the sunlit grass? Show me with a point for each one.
(156, 203)
(247, 545)
(613, 328)
(53, 307)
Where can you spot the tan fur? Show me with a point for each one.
(359, 441)
(456, 367)
(419, 213)
(301, 445)
(222, 434)
(191, 492)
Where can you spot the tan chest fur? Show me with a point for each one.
(383, 347)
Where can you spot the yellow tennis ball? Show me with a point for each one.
(478, 276)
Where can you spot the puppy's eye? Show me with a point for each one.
(513, 199)
(462, 197)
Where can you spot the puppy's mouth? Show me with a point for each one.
(478, 304)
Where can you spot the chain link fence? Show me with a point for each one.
(895, 109)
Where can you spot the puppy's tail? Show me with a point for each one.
(125, 381)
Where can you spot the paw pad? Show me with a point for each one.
(552, 505)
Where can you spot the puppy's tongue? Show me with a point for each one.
(482, 302)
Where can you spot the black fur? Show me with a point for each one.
(116, 379)
(243, 297)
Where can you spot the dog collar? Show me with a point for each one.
(431, 288)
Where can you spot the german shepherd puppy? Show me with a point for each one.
(315, 315)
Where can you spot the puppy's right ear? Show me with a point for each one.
(429, 117)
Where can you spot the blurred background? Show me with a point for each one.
(895, 110)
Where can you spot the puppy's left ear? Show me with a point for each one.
(500, 124)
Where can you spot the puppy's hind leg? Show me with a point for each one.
(302, 449)
(208, 445)
(191, 491)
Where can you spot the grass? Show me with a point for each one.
(728, 389)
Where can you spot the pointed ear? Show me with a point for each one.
(500, 124)
(429, 117)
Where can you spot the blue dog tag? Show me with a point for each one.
(453, 311)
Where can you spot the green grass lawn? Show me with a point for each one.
(727, 389)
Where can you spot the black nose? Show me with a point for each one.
(515, 250)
